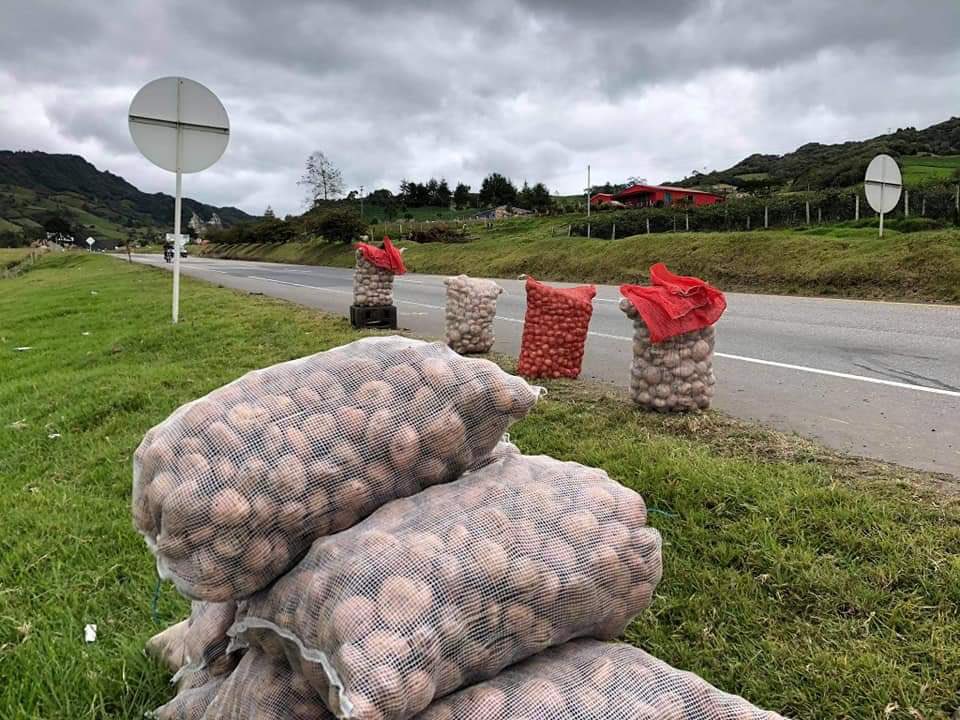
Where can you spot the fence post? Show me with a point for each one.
(569, 229)
(808, 212)
(648, 226)
(923, 205)
(588, 231)
(766, 216)
(906, 203)
(686, 221)
(819, 215)
(613, 233)
(856, 206)
(674, 223)
(956, 200)
(748, 222)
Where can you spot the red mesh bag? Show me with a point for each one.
(388, 258)
(675, 304)
(555, 330)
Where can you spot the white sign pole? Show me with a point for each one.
(881, 210)
(176, 215)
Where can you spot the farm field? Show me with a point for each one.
(840, 261)
(814, 584)
(920, 168)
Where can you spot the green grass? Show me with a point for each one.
(816, 585)
(10, 257)
(843, 261)
(918, 169)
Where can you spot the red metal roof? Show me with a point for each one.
(641, 189)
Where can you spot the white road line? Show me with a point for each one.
(845, 376)
(741, 358)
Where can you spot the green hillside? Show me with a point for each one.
(36, 187)
(928, 154)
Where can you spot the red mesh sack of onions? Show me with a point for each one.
(555, 330)
(590, 680)
(233, 488)
(451, 585)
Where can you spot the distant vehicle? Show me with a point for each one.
(168, 252)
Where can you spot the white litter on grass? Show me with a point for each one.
(94, 292)
(85, 332)
(90, 633)
(24, 348)
(17, 424)
(53, 436)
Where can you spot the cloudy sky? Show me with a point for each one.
(534, 89)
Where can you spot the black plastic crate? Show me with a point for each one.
(374, 316)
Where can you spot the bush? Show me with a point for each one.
(439, 234)
(342, 226)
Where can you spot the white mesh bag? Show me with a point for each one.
(674, 375)
(232, 488)
(453, 584)
(205, 641)
(264, 687)
(590, 680)
(371, 285)
(167, 646)
(194, 695)
(471, 309)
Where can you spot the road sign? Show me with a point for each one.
(90, 241)
(882, 185)
(180, 126)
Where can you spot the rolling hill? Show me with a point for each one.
(929, 154)
(37, 186)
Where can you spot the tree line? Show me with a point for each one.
(324, 184)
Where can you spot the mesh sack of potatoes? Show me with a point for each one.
(168, 646)
(371, 285)
(373, 276)
(231, 489)
(471, 309)
(205, 640)
(265, 687)
(674, 375)
(590, 680)
(555, 330)
(194, 695)
(451, 585)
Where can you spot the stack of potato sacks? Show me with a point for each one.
(387, 547)
(471, 310)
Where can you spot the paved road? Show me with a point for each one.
(875, 379)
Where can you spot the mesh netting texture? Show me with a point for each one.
(232, 488)
(206, 640)
(471, 309)
(555, 330)
(168, 646)
(265, 687)
(372, 285)
(194, 695)
(590, 680)
(451, 585)
(675, 375)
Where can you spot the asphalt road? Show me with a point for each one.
(876, 379)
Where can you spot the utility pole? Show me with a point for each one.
(589, 193)
(361, 202)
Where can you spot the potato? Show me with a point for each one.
(229, 508)
(402, 600)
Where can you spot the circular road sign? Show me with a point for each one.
(882, 183)
(179, 125)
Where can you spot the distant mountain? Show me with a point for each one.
(820, 166)
(35, 186)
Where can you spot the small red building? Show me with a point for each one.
(657, 196)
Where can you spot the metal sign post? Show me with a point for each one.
(882, 184)
(180, 126)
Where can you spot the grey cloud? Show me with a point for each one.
(533, 89)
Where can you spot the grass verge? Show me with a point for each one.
(828, 261)
(816, 585)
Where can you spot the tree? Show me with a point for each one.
(461, 196)
(268, 213)
(497, 190)
(539, 198)
(322, 180)
(443, 194)
(340, 226)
